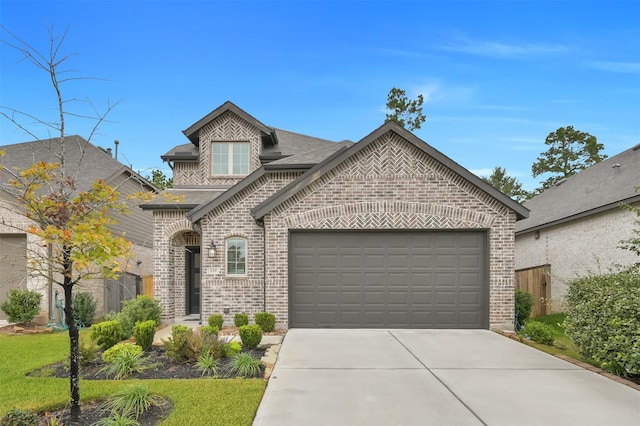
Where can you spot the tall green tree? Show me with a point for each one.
(159, 179)
(569, 152)
(74, 224)
(508, 185)
(405, 112)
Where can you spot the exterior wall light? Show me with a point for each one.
(212, 250)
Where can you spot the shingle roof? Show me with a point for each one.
(600, 187)
(83, 160)
(351, 149)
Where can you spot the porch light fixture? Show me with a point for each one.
(212, 250)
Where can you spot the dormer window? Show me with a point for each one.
(230, 158)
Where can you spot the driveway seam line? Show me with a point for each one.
(438, 379)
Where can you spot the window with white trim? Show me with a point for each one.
(230, 158)
(236, 249)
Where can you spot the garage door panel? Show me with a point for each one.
(388, 279)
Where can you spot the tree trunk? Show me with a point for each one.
(74, 353)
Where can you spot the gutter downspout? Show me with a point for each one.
(264, 264)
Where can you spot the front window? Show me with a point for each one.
(236, 256)
(230, 158)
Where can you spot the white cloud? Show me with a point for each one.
(495, 49)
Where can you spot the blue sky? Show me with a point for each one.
(497, 77)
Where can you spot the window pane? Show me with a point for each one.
(240, 158)
(221, 158)
(236, 256)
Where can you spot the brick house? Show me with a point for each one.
(385, 232)
(574, 228)
(87, 163)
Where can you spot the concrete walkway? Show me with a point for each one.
(434, 377)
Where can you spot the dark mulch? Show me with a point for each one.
(93, 412)
(165, 369)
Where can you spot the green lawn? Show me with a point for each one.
(196, 402)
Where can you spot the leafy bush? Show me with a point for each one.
(524, 305)
(603, 319)
(106, 334)
(84, 308)
(88, 349)
(539, 332)
(266, 321)
(216, 320)
(231, 349)
(22, 306)
(241, 319)
(208, 364)
(126, 363)
(115, 351)
(143, 333)
(137, 401)
(186, 345)
(17, 417)
(251, 335)
(142, 308)
(209, 330)
(244, 365)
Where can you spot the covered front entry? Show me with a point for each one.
(388, 279)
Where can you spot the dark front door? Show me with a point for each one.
(193, 280)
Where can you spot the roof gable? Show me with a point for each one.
(192, 131)
(601, 187)
(342, 155)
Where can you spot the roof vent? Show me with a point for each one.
(637, 147)
(616, 166)
(560, 182)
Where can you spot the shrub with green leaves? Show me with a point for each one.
(137, 401)
(87, 349)
(17, 417)
(539, 332)
(603, 319)
(266, 321)
(142, 308)
(143, 333)
(115, 351)
(107, 333)
(251, 335)
(231, 349)
(126, 363)
(216, 320)
(84, 307)
(186, 345)
(207, 364)
(241, 319)
(210, 330)
(22, 306)
(244, 365)
(524, 305)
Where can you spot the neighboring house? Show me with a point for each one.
(575, 228)
(386, 232)
(87, 163)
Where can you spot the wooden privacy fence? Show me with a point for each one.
(537, 281)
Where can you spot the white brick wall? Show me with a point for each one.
(578, 248)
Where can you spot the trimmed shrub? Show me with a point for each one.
(117, 350)
(251, 335)
(84, 307)
(266, 321)
(106, 334)
(142, 308)
(524, 305)
(539, 332)
(240, 319)
(143, 333)
(216, 320)
(231, 349)
(22, 306)
(603, 319)
(187, 345)
(209, 330)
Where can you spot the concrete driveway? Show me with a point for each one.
(434, 377)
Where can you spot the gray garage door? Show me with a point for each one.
(388, 280)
